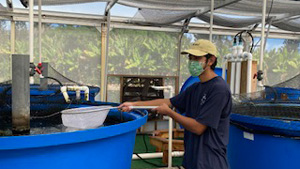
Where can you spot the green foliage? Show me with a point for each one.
(5, 61)
(142, 52)
(75, 51)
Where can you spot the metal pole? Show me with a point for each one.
(178, 58)
(12, 36)
(40, 31)
(183, 30)
(104, 49)
(20, 95)
(103, 60)
(262, 42)
(212, 5)
(31, 28)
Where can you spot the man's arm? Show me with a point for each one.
(188, 123)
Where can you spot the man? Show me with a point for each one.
(207, 105)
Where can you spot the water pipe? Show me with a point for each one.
(40, 31)
(77, 89)
(171, 90)
(224, 63)
(233, 60)
(238, 70)
(31, 43)
(156, 155)
(262, 41)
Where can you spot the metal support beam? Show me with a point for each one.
(184, 29)
(105, 27)
(12, 36)
(121, 22)
(20, 95)
(109, 6)
(212, 5)
(103, 61)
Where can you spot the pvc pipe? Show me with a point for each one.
(77, 94)
(248, 57)
(156, 155)
(238, 77)
(40, 31)
(212, 5)
(238, 68)
(224, 63)
(171, 90)
(262, 41)
(31, 28)
(232, 77)
(64, 90)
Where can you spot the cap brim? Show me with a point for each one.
(193, 52)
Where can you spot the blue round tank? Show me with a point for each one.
(108, 147)
(262, 151)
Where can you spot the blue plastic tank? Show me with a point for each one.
(108, 147)
(248, 150)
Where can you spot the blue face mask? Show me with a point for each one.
(195, 68)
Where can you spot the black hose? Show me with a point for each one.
(148, 162)
(52, 78)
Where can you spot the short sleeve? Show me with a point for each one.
(180, 101)
(211, 111)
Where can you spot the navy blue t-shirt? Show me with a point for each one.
(210, 104)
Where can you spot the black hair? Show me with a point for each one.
(213, 66)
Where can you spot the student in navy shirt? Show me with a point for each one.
(207, 105)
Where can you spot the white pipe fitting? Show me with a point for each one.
(77, 89)
(248, 56)
(171, 90)
(224, 63)
(63, 90)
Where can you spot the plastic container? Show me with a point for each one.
(108, 147)
(248, 150)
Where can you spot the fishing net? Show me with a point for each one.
(276, 109)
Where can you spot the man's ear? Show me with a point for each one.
(211, 60)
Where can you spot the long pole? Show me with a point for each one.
(103, 60)
(262, 42)
(31, 28)
(212, 6)
(40, 31)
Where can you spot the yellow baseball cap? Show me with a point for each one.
(201, 47)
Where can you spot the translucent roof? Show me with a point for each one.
(284, 14)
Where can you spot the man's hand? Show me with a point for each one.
(163, 109)
(125, 107)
